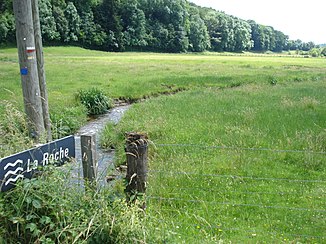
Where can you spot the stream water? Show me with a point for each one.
(105, 158)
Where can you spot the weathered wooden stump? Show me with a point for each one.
(136, 153)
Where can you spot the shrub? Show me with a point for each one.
(315, 52)
(67, 121)
(51, 209)
(323, 52)
(94, 100)
(109, 136)
(272, 80)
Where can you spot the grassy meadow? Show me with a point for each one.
(138, 75)
(238, 154)
(204, 183)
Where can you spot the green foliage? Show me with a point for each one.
(50, 209)
(134, 24)
(60, 21)
(91, 34)
(14, 135)
(94, 100)
(47, 21)
(73, 19)
(242, 36)
(107, 15)
(323, 52)
(272, 80)
(110, 137)
(315, 52)
(67, 121)
(198, 37)
(7, 27)
(290, 115)
(164, 25)
(206, 194)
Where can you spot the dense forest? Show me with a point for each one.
(148, 25)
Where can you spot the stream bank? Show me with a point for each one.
(105, 158)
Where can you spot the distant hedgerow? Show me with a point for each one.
(95, 101)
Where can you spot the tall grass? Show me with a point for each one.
(205, 187)
(13, 131)
(50, 209)
(208, 186)
(138, 75)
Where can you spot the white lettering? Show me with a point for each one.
(31, 165)
(62, 153)
(51, 158)
(35, 164)
(45, 159)
(56, 156)
(29, 169)
(66, 152)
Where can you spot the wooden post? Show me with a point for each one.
(136, 153)
(88, 151)
(28, 67)
(40, 68)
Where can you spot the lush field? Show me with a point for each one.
(135, 75)
(212, 176)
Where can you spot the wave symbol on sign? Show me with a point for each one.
(19, 161)
(17, 172)
(13, 180)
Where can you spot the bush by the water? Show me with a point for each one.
(67, 121)
(95, 101)
(51, 209)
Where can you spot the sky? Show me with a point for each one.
(299, 19)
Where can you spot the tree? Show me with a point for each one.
(198, 36)
(6, 6)
(168, 25)
(257, 36)
(269, 38)
(73, 20)
(315, 52)
(133, 23)
(242, 36)
(91, 34)
(323, 52)
(107, 16)
(178, 17)
(213, 29)
(61, 22)
(223, 29)
(281, 41)
(7, 27)
(48, 25)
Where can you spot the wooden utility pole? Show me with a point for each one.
(40, 68)
(28, 67)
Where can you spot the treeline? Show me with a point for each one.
(156, 25)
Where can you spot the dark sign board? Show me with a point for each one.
(25, 164)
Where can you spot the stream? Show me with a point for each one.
(105, 158)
